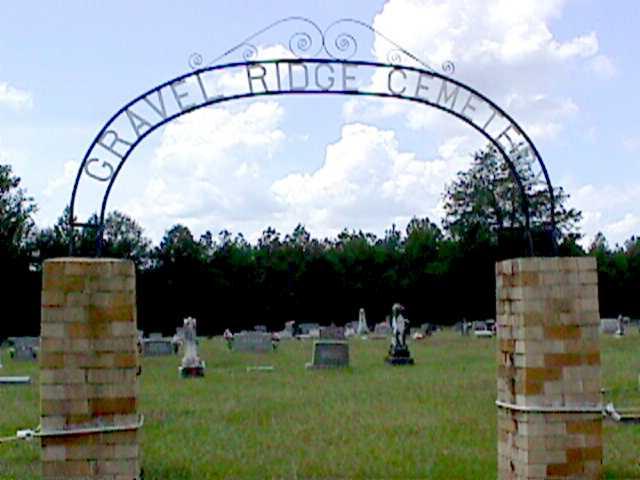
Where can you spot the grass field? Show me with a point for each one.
(436, 419)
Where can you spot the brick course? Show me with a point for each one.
(89, 363)
(548, 358)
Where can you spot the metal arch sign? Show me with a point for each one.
(217, 84)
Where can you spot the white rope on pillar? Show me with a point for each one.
(545, 409)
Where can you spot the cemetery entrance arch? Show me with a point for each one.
(549, 412)
(320, 62)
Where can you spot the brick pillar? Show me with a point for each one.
(89, 364)
(549, 425)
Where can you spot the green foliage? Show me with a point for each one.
(124, 238)
(16, 211)
(486, 200)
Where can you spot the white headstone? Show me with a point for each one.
(363, 328)
(192, 366)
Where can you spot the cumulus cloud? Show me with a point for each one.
(610, 209)
(505, 49)
(15, 98)
(367, 181)
(62, 181)
(209, 172)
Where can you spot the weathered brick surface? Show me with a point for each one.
(89, 362)
(548, 356)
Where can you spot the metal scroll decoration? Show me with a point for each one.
(318, 62)
(310, 41)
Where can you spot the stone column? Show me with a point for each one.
(89, 367)
(549, 420)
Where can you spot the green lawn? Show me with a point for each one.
(436, 419)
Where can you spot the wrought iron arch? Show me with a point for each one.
(266, 78)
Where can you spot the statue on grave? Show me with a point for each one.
(620, 330)
(228, 337)
(363, 328)
(192, 366)
(399, 351)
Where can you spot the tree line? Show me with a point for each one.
(441, 274)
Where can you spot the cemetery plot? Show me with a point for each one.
(435, 420)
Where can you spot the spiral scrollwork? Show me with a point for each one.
(449, 67)
(337, 41)
(346, 46)
(300, 44)
(395, 56)
(249, 51)
(195, 60)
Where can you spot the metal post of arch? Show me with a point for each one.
(306, 72)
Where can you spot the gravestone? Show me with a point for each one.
(308, 328)
(329, 354)
(608, 326)
(620, 329)
(252, 342)
(155, 335)
(288, 332)
(26, 348)
(157, 347)
(191, 366)
(381, 330)
(332, 333)
(363, 328)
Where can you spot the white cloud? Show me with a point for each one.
(480, 33)
(210, 172)
(14, 97)
(625, 227)
(366, 182)
(63, 181)
(505, 49)
(603, 66)
(612, 210)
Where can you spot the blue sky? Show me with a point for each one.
(566, 70)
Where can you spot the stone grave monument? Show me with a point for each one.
(156, 346)
(363, 328)
(252, 342)
(308, 329)
(25, 348)
(332, 333)
(191, 366)
(620, 329)
(329, 354)
(608, 326)
(381, 330)
(398, 351)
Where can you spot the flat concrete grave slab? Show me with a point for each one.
(329, 354)
(252, 342)
(157, 347)
(15, 380)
